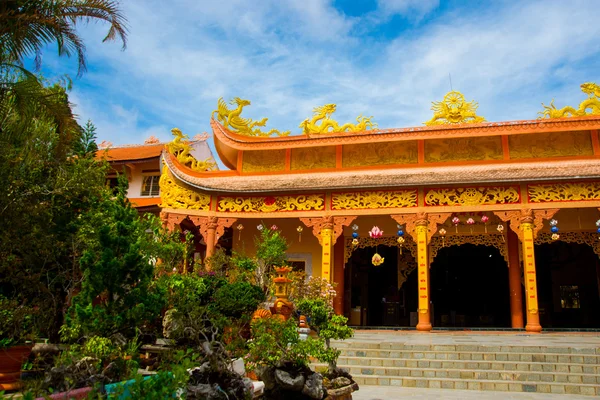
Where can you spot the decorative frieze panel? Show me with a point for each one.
(262, 204)
(374, 199)
(463, 149)
(472, 196)
(174, 195)
(550, 145)
(263, 161)
(577, 191)
(366, 154)
(313, 158)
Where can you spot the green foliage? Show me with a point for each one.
(98, 347)
(117, 294)
(238, 299)
(86, 146)
(276, 342)
(17, 322)
(271, 247)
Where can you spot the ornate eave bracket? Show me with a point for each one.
(515, 218)
(412, 220)
(212, 222)
(335, 223)
(170, 220)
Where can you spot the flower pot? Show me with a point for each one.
(11, 360)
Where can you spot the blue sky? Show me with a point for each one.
(385, 58)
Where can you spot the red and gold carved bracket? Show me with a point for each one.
(432, 220)
(212, 222)
(515, 218)
(335, 223)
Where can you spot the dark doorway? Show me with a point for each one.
(568, 285)
(377, 296)
(469, 287)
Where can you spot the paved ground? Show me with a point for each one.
(393, 393)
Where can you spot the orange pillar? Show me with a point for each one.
(533, 316)
(210, 239)
(338, 275)
(424, 323)
(514, 280)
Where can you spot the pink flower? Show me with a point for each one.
(274, 228)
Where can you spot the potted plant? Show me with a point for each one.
(16, 335)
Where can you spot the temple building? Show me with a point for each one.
(457, 223)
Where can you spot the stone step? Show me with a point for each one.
(513, 376)
(469, 364)
(469, 348)
(472, 384)
(548, 357)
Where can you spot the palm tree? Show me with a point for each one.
(27, 26)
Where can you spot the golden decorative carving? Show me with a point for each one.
(589, 238)
(471, 196)
(328, 222)
(454, 109)
(321, 122)
(388, 153)
(515, 218)
(263, 161)
(174, 195)
(550, 145)
(576, 191)
(428, 220)
(266, 204)
(366, 241)
(463, 149)
(242, 126)
(590, 106)
(490, 239)
(375, 199)
(313, 158)
(181, 149)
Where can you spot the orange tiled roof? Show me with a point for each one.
(144, 201)
(131, 153)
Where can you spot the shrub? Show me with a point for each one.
(238, 300)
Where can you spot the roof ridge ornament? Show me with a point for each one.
(181, 149)
(454, 109)
(231, 119)
(592, 103)
(321, 122)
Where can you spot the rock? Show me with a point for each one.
(340, 381)
(339, 392)
(204, 391)
(288, 382)
(313, 387)
(267, 375)
(171, 324)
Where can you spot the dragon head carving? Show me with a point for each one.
(591, 89)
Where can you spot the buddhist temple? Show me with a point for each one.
(459, 223)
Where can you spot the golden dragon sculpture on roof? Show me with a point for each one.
(454, 109)
(181, 149)
(589, 106)
(231, 119)
(321, 122)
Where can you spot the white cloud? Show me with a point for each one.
(416, 8)
(289, 56)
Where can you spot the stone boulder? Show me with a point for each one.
(288, 382)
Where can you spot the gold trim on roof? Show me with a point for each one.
(454, 109)
(181, 149)
(321, 122)
(231, 119)
(590, 106)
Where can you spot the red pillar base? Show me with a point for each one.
(533, 328)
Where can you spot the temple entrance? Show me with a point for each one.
(469, 288)
(568, 276)
(381, 295)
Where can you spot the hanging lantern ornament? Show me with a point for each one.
(355, 242)
(240, 228)
(442, 233)
(355, 227)
(377, 260)
(554, 229)
(598, 227)
(470, 222)
(400, 239)
(456, 221)
(260, 227)
(500, 230)
(299, 229)
(375, 232)
(484, 220)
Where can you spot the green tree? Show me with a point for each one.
(87, 146)
(116, 292)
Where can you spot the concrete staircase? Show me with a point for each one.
(540, 368)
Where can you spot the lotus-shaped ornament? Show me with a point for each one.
(375, 232)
